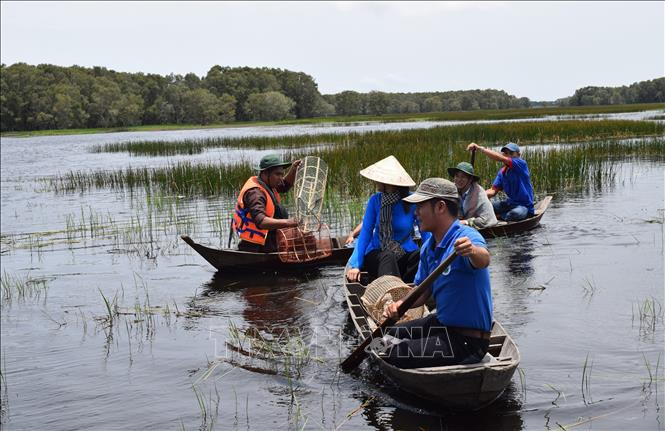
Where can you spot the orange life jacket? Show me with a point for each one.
(242, 222)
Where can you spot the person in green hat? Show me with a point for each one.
(259, 211)
(475, 208)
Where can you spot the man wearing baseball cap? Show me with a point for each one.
(459, 331)
(259, 211)
(513, 178)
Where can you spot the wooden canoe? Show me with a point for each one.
(504, 228)
(235, 260)
(454, 387)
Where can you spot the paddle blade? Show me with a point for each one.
(360, 353)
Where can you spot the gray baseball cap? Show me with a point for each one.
(434, 188)
(511, 146)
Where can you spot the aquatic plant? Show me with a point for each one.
(552, 169)
(649, 312)
(521, 132)
(19, 287)
(586, 380)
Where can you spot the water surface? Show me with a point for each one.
(568, 292)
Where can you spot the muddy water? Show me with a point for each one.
(570, 292)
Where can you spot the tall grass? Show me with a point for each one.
(521, 132)
(14, 286)
(552, 169)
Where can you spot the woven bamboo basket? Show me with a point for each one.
(382, 292)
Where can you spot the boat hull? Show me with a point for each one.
(456, 387)
(510, 228)
(234, 260)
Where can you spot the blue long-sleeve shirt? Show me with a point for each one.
(368, 240)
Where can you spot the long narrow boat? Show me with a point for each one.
(455, 387)
(504, 228)
(235, 260)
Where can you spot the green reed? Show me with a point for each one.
(14, 286)
(147, 148)
(555, 168)
(521, 132)
(650, 312)
(586, 380)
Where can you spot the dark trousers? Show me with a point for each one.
(427, 343)
(383, 262)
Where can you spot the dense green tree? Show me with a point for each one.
(652, 91)
(47, 96)
(433, 104)
(348, 103)
(200, 106)
(322, 108)
(270, 106)
(377, 103)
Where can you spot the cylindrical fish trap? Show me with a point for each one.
(309, 189)
(295, 245)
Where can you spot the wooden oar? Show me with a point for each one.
(473, 157)
(359, 354)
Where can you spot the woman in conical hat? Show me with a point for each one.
(385, 245)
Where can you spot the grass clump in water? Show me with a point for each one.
(521, 132)
(21, 288)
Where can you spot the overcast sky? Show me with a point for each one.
(542, 51)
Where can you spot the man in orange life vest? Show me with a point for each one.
(258, 211)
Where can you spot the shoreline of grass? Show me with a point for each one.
(527, 132)
(495, 114)
(551, 170)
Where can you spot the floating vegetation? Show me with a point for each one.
(285, 354)
(209, 411)
(559, 394)
(21, 287)
(111, 307)
(649, 312)
(153, 227)
(586, 381)
(521, 132)
(653, 373)
(589, 287)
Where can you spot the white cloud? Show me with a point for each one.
(541, 50)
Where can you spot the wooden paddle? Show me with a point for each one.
(473, 157)
(359, 354)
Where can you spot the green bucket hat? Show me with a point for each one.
(463, 167)
(271, 161)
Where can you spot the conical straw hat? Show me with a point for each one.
(388, 171)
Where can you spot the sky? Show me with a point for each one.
(539, 50)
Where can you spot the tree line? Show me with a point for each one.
(652, 91)
(54, 97)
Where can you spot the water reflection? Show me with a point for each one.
(271, 300)
(520, 254)
(414, 414)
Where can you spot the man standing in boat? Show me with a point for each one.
(259, 212)
(459, 331)
(514, 179)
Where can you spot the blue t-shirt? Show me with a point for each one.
(462, 293)
(515, 181)
(368, 239)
